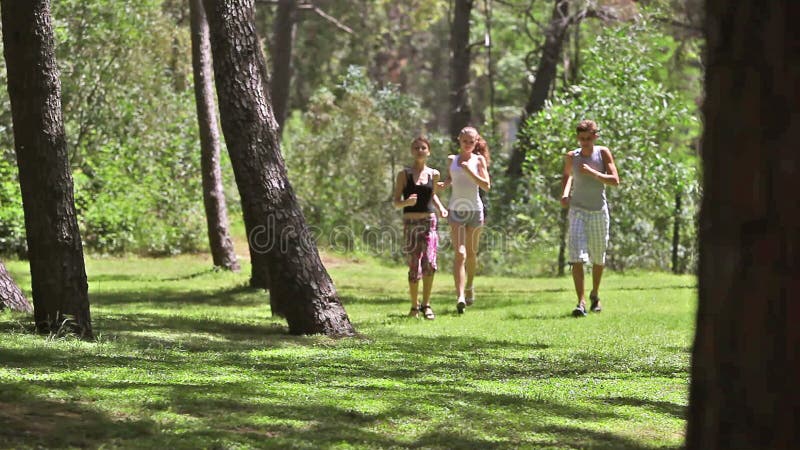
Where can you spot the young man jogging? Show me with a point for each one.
(587, 170)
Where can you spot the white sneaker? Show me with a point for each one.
(469, 297)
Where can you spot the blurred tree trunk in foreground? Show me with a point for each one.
(746, 359)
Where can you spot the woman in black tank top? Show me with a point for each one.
(415, 192)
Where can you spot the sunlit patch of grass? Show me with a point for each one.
(187, 357)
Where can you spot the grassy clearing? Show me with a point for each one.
(190, 358)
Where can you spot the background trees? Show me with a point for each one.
(131, 119)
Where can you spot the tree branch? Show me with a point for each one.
(312, 7)
(692, 30)
(326, 16)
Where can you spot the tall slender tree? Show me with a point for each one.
(58, 274)
(746, 358)
(281, 57)
(11, 295)
(300, 285)
(554, 38)
(222, 252)
(460, 60)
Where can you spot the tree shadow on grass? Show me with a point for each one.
(469, 425)
(234, 414)
(322, 424)
(373, 299)
(27, 421)
(577, 437)
(145, 331)
(673, 409)
(147, 278)
(254, 414)
(243, 296)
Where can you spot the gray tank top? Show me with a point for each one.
(587, 191)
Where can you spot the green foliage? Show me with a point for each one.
(343, 155)
(651, 131)
(12, 220)
(131, 130)
(188, 358)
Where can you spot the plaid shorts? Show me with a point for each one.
(421, 241)
(588, 235)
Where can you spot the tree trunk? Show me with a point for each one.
(11, 295)
(562, 244)
(301, 286)
(746, 359)
(58, 274)
(676, 234)
(460, 59)
(281, 57)
(219, 238)
(545, 75)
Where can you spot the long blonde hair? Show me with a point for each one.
(481, 147)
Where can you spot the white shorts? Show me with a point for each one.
(588, 236)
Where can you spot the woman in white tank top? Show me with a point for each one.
(468, 171)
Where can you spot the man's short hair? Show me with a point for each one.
(587, 125)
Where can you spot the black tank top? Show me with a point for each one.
(424, 194)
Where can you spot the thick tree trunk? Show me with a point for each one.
(58, 274)
(460, 59)
(281, 57)
(545, 75)
(746, 359)
(301, 286)
(11, 295)
(219, 238)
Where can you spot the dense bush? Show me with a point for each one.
(342, 156)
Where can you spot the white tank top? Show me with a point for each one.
(464, 196)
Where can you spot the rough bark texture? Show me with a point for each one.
(300, 284)
(460, 58)
(746, 359)
(58, 275)
(545, 75)
(11, 295)
(219, 238)
(281, 57)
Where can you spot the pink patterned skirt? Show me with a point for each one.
(421, 241)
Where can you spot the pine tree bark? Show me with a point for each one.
(746, 358)
(460, 59)
(58, 274)
(301, 286)
(11, 295)
(545, 75)
(281, 57)
(219, 239)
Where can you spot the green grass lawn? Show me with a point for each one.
(190, 358)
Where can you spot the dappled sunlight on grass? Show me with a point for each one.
(191, 358)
